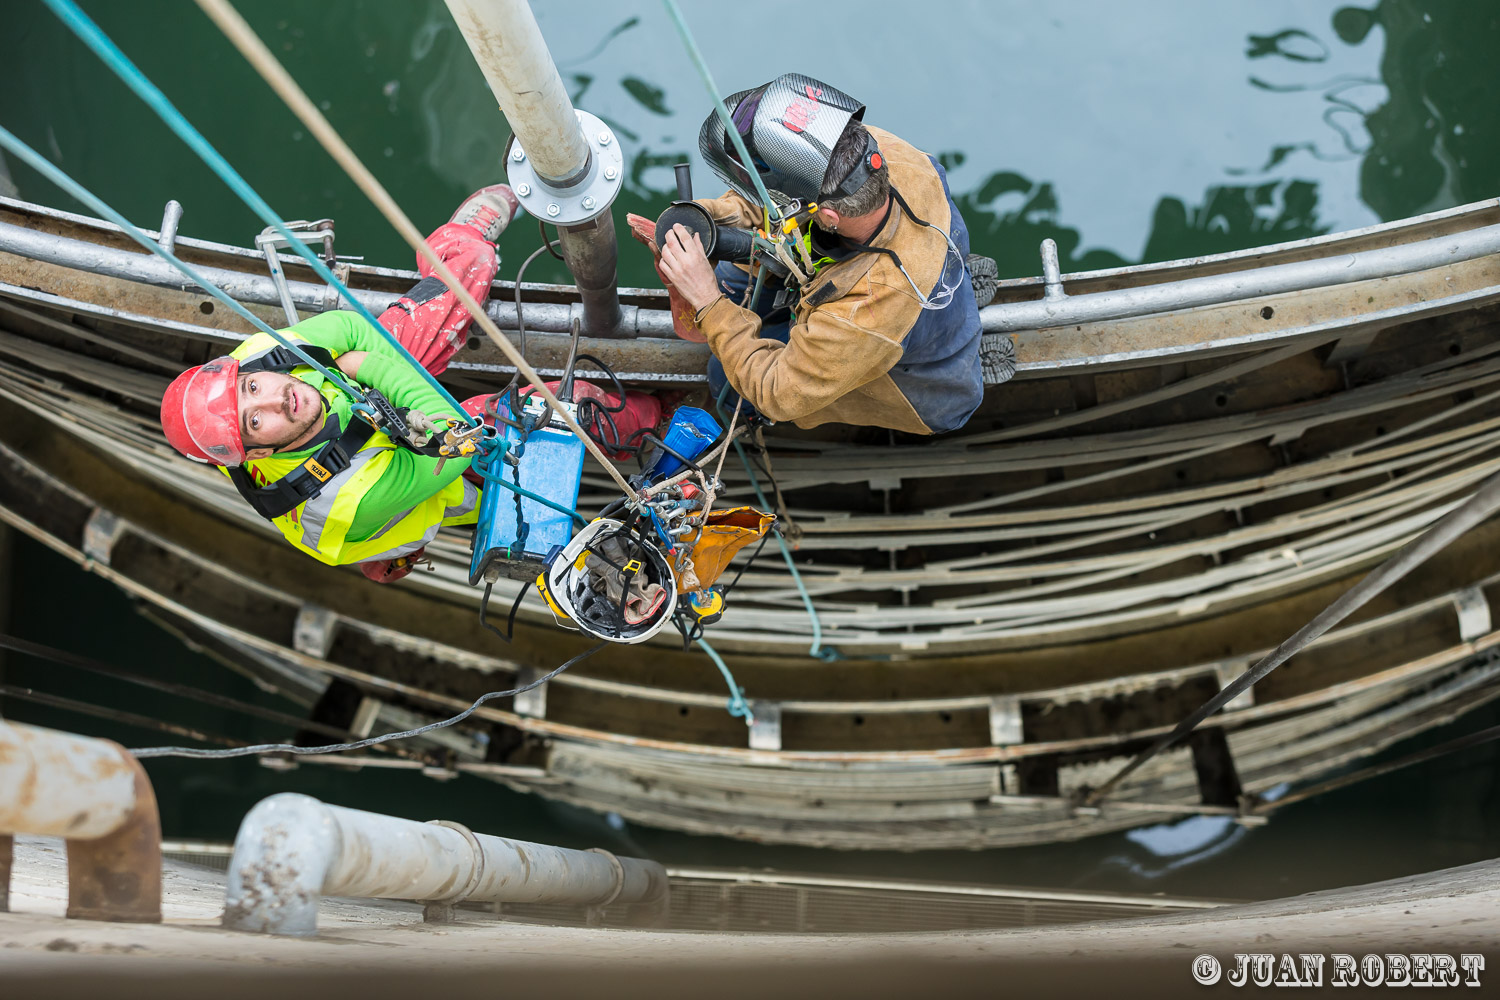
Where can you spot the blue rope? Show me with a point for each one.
(69, 13)
(737, 704)
(817, 649)
(54, 174)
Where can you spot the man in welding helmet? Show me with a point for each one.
(885, 330)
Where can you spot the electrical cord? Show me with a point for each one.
(145, 752)
(510, 621)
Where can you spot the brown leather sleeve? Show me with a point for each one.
(837, 349)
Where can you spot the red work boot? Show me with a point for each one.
(391, 570)
(489, 210)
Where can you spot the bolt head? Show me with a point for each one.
(605, 138)
(523, 189)
(518, 154)
(588, 201)
(610, 173)
(552, 209)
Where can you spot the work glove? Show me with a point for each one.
(684, 316)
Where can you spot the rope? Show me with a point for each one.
(255, 52)
(54, 174)
(1484, 502)
(90, 34)
(688, 43)
(245, 751)
(737, 704)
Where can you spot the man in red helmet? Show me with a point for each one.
(289, 440)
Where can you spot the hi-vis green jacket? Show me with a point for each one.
(388, 503)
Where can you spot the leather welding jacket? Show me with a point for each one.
(388, 503)
(862, 350)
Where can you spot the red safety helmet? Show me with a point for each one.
(200, 413)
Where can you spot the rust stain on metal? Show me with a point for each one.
(118, 876)
(7, 843)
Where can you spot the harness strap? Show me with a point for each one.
(284, 359)
(307, 480)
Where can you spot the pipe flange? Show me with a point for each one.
(619, 876)
(476, 874)
(578, 203)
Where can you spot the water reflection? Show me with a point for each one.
(1434, 142)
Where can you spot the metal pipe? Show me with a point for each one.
(564, 165)
(307, 297)
(292, 849)
(167, 234)
(97, 796)
(1094, 307)
(1276, 279)
(1052, 286)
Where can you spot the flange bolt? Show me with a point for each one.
(552, 209)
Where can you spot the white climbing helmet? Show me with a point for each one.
(610, 583)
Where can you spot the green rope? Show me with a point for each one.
(713, 92)
(817, 649)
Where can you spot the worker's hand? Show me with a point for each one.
(686, 266)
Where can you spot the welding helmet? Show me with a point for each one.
(611, 583)
(789, 127)
(200, 413)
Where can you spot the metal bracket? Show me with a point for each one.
(313, 632)
(582, 201)
(100, 534)
(270, 240)
(166, 236)
(1052, 284)
(1473, 613)
(1005, 721)
(765, 725)
(533, 703)
(1226, 674)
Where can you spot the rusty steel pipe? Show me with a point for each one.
(292, 849)
(95, 795)
(7, 847)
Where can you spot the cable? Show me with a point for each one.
(1484, 502)
(723, 112)
(737, 705)
(510, 621)
(275, 75)
(55, 174)
(68, 659)
(90, 34)
(112, 714)
(145, 752)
